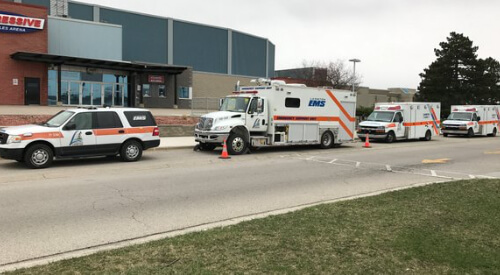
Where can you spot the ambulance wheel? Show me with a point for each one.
(445, 135)
(470, 133)
(494, 133)
(236, 144)
(428, 136)
(362, 139)
(38, 156)
(207, 146)
(131, 151)
(390, 137)
(326, 140)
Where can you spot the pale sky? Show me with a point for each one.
(394, 39)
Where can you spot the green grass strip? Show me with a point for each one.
(445, 228)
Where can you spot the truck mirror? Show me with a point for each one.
(260, 105)
(478, 118)
(221, 100)
(70, 126)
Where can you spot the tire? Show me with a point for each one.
(326, 140)
(362, 139)
(494, 133)
(428, 136)
(390, 137)
(131, 151)
(445, 135)
(207, 146)
(236, 144)
(38, 156)
(470, 133)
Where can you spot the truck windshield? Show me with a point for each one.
(235, 104)
(58, 119)
(381, 116)
(460, 116)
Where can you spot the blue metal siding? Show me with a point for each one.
(79, 11)
(270, 64)
(45, 3)
(144, 37)
(249, 55)
(201, 47)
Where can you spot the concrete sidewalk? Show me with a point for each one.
(176, 143)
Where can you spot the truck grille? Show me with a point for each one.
(3, 138)
(205, 123)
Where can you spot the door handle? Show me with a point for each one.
(89, 133)
(121, 132)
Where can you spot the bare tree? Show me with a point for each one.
(334, 73)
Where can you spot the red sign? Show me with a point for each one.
(17, 23)
(156, 79)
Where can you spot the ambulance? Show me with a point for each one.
(471, 120)
(274, 113)
(401, 121)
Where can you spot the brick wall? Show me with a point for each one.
(25, 42)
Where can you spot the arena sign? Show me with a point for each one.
(17, 23)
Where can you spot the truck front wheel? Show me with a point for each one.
(326, 140)
(236, 144)
(390, 137)
(470, 133)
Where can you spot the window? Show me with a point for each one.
(292, 102)
(107, 120)
(398, 117)
(162, 92)
(138, 118)
(81, 121)
(184, 92)
(253, 106)
(146, 90)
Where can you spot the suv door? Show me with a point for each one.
(109, 132)
(78, 138)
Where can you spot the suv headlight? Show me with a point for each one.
(220, 128)
(14, 139)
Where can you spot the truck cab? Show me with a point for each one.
(384, 123)
(241, 115)
(468, 120)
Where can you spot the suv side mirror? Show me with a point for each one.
(70, 126)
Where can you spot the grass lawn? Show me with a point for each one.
(451, 228)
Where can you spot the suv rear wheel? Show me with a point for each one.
(131, 151)
(38, 156)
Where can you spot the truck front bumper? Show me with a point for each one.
(454, 132)
(16, 154)
(210, 137)
(372, 135)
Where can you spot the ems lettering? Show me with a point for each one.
(317, 102)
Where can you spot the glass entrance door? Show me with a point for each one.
(97, 94)
(86, 93)
(74, 93)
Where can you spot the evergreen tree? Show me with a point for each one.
(458, 77)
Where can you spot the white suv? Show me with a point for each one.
(82, 132)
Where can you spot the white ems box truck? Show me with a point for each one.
(470, 120)
(279, 114)
(401, 121)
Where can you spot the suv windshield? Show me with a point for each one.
(380, 116)
(460, 116)
(58, 119)
(235, 104)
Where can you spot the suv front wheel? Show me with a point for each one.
(131, 151)
(38, 156)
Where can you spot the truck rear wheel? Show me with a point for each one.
(428, 136)
(326, 140)
(390, 137)
(494, 133)
(38, 156)
(236, 144)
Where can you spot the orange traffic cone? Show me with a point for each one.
(224, 154)
(367, 142)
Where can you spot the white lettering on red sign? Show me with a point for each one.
(21, 21)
